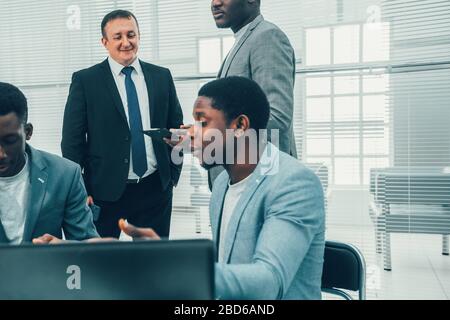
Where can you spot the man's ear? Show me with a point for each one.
(240, 122)
(244, 122)
(28, 131)
(104, 41)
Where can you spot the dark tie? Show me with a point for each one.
(137, 137)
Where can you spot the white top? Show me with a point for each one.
(237, 37)
(144, 106)
(14, 193)
(232, 197)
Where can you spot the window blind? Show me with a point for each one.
(372, 91)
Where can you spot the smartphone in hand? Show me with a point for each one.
(165, 133)
(159, 133)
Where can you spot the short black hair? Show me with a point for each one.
(236, 96)
(117, 14)
(13, 100)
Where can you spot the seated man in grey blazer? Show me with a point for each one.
(267, 215)
(39, 192)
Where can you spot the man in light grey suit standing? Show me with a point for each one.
(39, 192)
(263, 53)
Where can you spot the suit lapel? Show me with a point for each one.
(3, 238)
(114, 91)
(38, 184)
(151, 91)
(219, 75)
(241, 205)
(218, 206)
(216, 211)
(265, 165)
(227, 63)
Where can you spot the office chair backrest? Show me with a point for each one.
(343, 268)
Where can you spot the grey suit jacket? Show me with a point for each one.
(265, 55)
(274, 243)
(57, 200)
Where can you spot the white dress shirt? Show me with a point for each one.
(144, 106)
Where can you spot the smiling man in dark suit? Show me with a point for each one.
(126, 173)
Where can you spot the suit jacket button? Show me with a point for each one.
(127, 138)
(125, 161)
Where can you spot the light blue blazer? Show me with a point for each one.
(275, 238)
(57, 200)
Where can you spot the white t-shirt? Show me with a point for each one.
(232, 197)
(14, 192)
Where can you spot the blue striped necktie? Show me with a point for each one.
(137, 137)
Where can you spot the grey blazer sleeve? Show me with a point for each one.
(273, 68)
(78, 220)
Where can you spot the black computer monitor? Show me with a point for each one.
(178, 269)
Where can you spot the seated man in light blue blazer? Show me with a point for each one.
(267, 209)
(39, 192)
(267, 216)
